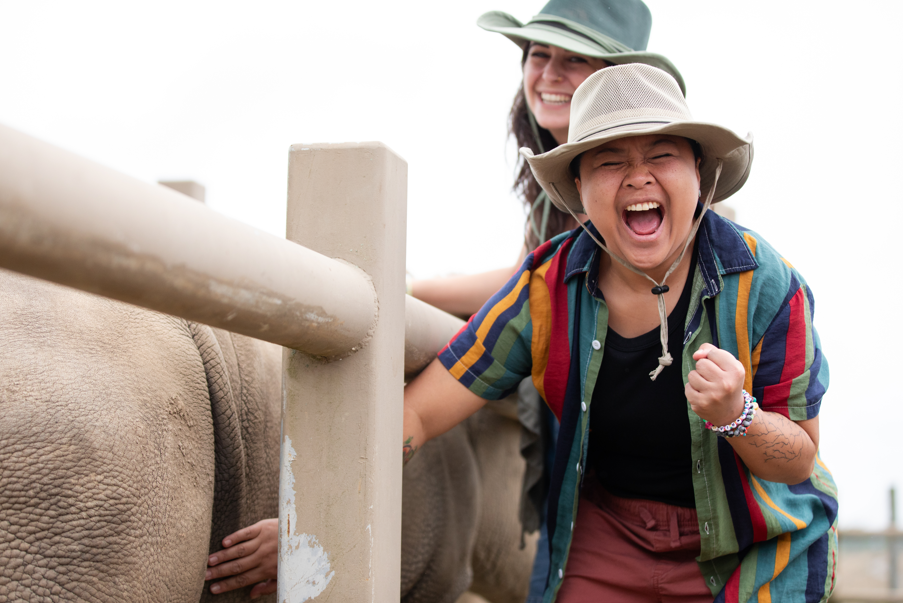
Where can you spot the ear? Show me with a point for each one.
(580, 192)
(698, 177)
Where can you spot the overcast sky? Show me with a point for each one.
(217, 91)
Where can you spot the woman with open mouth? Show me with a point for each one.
(677, 351)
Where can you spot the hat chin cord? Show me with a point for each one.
(660, 288)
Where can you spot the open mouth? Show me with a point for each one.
(555, 99)
(643, 219)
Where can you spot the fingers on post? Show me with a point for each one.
(227, 569)
(242, 535)
(238, 581)
(244, 549)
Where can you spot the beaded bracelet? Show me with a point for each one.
(738, 427)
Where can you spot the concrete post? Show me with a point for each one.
(340, 479)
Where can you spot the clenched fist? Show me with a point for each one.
(715, 388)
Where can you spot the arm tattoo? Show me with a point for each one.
(409, 449)
(779, 439)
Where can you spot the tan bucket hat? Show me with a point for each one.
(636, 100)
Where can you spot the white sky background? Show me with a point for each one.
(217, 91)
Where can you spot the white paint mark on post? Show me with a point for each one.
(304, 564)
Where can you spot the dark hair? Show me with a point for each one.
(525, 185)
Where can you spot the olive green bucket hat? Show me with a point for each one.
(614, 30)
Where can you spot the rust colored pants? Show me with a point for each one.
(630, 551)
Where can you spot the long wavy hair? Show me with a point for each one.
(525, 185)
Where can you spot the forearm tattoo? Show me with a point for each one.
(778, 439)
(409, 449)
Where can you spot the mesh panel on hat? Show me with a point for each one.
(616, 96)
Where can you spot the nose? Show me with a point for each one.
(638, 175)
(552, 72)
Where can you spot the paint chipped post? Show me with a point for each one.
(340, 477)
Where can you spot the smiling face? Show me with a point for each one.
(640, 193)
(551, 75)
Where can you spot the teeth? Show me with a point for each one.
(555, 98)
(643, 206)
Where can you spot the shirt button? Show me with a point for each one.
(596, 344)
(578, 467)
(560, 574)
(712, 580)
(572, 526)
(699, 466)
(583, 406)
(706, 526)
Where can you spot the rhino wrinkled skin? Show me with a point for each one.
(132, 442)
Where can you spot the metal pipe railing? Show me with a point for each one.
(427, 330)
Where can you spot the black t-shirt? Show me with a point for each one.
(639, 429)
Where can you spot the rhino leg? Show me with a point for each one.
(244, 380)
(501, 567)
(440, 515)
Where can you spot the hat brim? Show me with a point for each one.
(552, 169)
(522, 34)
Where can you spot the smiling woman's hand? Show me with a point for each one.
(249, 557)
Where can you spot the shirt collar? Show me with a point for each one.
(583, 250)
(722, 250)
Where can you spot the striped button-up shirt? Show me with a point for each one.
(760, 540)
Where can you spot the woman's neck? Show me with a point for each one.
(632, 308)
(613, 272)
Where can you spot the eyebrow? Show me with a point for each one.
(600, 150)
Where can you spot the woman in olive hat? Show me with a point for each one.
(561, 46)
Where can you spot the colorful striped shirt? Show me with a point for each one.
(761, 540)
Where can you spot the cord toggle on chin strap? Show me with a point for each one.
(660, 290)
